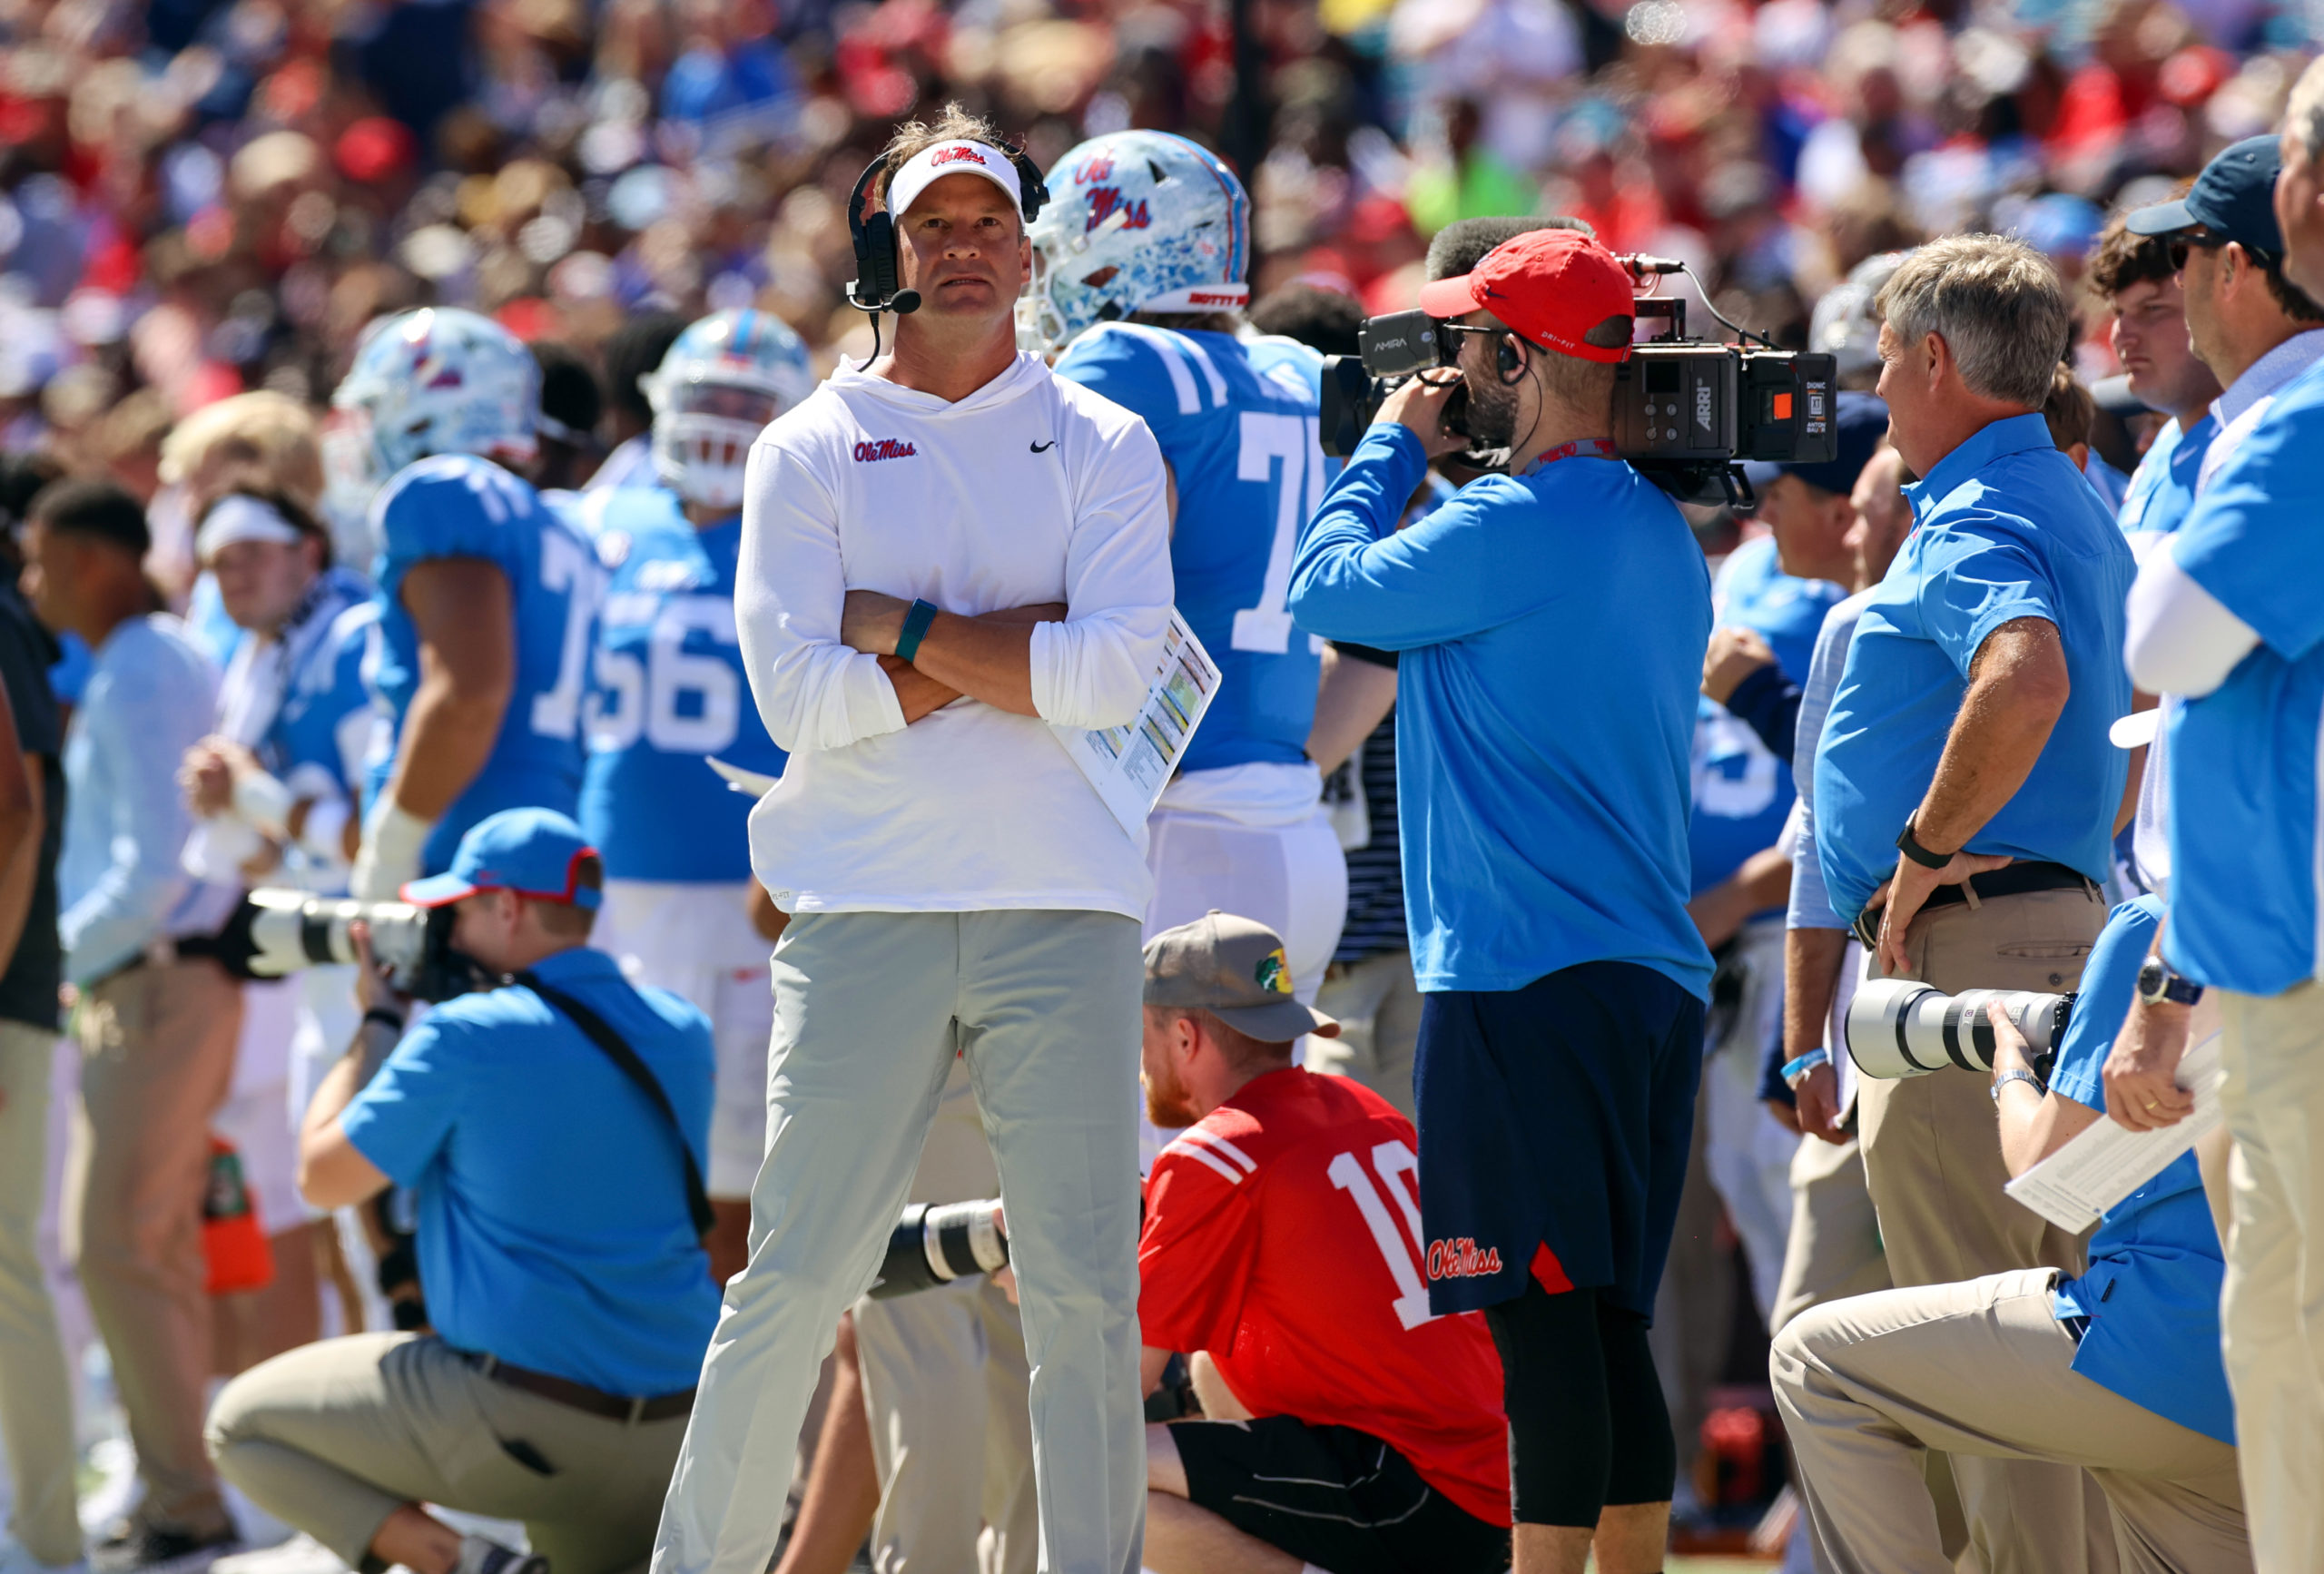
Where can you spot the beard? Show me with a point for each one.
(1168, 1103)
(1492, 415)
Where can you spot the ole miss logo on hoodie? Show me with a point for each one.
(883, 448)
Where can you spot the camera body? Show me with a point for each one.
(278, 931)
(1687, 411)
(1902, 1027)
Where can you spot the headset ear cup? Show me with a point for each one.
(878, 257)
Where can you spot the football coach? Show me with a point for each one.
(1551, 624)
(943, 554)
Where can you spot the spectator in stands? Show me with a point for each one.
(35, 1391)
(157, 1016)
(570, 1296)
(1345, 1426)
(1965, 786)
(2115, 1370)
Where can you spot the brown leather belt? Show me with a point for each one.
(580, 1395)
(2009, 880)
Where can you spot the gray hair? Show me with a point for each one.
(2304, 113)
(1998, 305)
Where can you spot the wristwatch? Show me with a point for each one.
(1910, 846)
(2015, 1074)
(2158, 983)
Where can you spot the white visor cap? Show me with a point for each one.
(929, 165)
(238, 517)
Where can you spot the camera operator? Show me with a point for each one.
(2227, 617)
(1546, 866)
(943, 554)
(2115, 1370)
(1348, 1428)
(1965, 790)
(560, 1223)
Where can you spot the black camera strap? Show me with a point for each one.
(600, 1032)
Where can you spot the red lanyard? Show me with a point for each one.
(1596, 447)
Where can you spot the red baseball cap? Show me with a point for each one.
(1551, 286)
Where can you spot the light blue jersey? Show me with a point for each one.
(2162, 488)
(459, 506)
(1742, 793)
(2247, 788)
(667, 689)
(1236, 420)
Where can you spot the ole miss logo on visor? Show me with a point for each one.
(958, 156)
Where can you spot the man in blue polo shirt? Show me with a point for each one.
(561, 1214)
(2115, 1370)
(1545, 866)
(2231, 619)
(1965, 787)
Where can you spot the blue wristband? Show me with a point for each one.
(1805, 1063)
(916, 622)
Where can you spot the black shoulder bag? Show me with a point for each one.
(600, 1032)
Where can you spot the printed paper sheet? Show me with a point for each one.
(1129, 765)
(2108, 1162)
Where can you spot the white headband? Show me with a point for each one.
(242, 517)
(930, 165)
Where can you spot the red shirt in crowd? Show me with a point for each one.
(1282, 1236)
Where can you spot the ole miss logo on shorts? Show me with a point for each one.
(958, 156)
(1462, 1259)
(883, 448)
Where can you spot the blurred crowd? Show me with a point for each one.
(199, 196)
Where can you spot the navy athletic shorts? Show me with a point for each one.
(1555, 1122)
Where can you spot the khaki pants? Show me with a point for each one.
(336, 1436)
(157, 1055)
(35, 1394)
(1377, 1007)
(945, 1385)
(1984, 1371)
(2273, 1309)
(1834, 1251)
(1932, 1159)
(871, 1009)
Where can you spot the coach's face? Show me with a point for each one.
(964, 249)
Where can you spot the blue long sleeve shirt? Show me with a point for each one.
(151, 695)
(1550, 630)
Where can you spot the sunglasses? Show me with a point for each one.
(2180, 246)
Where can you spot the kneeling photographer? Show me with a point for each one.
(2116, 1371)
(1552, 622)
(553, 1128)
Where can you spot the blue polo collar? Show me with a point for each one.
(578, 965)
(1996, 439)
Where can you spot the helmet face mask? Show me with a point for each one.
(721, 381)
(1138, 221)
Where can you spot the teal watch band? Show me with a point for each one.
(916, 622)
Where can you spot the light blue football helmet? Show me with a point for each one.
(1138, 221)
(437, 380)
(721, 382)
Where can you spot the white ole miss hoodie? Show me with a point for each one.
(1031, 489)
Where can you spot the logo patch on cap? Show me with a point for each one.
(1274, 973)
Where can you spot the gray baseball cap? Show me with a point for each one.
(1233, 968)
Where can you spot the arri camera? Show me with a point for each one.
(1687, 411)
(1900, 1027)
(276, 932)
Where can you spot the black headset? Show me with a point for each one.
(874, 290)
(1505, 358)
